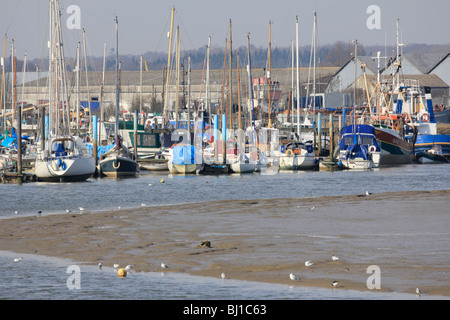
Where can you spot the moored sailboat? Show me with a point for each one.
(62, 156)
(118, 162)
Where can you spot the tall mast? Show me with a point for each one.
(250, 89)
(354, 92)
(239, 90)
(314, 64)
(78, 89)
(103, 83)
(2, 99)
(177, 77)
(208, 104)
(298, 79)
(117, 85)
(140, 88)
(166, 91)
(189, 100)
(230, 89)
(86, 71)
(269, 73)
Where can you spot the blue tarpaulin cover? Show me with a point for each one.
(183, 154)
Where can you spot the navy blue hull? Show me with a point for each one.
(426, 142)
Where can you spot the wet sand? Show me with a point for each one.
(405, 234)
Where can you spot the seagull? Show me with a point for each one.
(308, 263)
(163, 265)
(116, 266)
(120, 207)
(312, 208)
(143, 204)
(162, 181)
(99, 265)
(16, 212)
(150, 184)
(418, 291)
(335, 283)
(222, 275)
(129, 267)
(293, 276)
(368, 193)
(68, 211)
(334, 258)
(18, 259)
(81, 208)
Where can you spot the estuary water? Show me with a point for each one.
(104, 194)
(37, 277)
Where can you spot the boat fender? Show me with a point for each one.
(425, 117)
(63, 166)
(116, 167)
(59, 162)
(289, 152)
(372, 149)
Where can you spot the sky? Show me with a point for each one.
(144, 24)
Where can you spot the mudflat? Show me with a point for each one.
(405, 235)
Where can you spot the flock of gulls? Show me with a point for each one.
(292, 276)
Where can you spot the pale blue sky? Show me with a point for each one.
(144, 24)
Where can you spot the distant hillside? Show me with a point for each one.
(334, 55)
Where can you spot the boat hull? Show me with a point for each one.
(297, 162)
(117, 166)
(394, 150)
(153, 164)
(426, 142)
(183, 168)
(238, 167)
(64, 169)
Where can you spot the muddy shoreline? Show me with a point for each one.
(260, 240)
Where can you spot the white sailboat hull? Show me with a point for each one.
(238, 167)
(65, 169)
(297, 162)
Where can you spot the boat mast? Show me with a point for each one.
(2, 94)
(314, 65)
(166, 91)
(354, 92)
(269, 73)
(177, 74)
(189, 101)
(208, 104)
(239, 89)
(116, 126)
(78, 89)
(250, 89)
(86, 71)
(298, 80)
(103, 83)
(230, 87)
(140, 88)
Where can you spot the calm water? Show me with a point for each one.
(100, 194)
(38, 277)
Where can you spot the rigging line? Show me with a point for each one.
(185, 29)
(12, 17)
(163, 33)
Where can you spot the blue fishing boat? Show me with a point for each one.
(358, 147)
